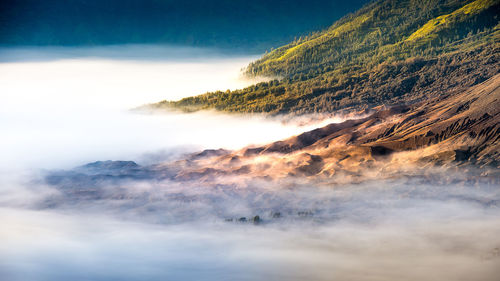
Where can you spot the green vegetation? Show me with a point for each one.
(431, 29)
(390, 51)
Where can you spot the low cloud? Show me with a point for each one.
(124, 222)
(381, 230)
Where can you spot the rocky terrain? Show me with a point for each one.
(454, 130)
(447, 139)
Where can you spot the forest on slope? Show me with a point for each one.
(389, 52)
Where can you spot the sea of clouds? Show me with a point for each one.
(63, 108)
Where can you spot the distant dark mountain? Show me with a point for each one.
(257, 24)
(388, 52)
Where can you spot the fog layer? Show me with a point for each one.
(176, 231)
(96, 223)
(64, 107)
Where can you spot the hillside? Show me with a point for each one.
(389, 52)
(455, 131)
(449, 139)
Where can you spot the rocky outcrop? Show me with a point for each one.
(449, 132)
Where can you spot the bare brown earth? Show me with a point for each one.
(451, 140)
(453, 137)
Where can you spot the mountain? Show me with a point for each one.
(250, 25)
(389, 52)
(423, 97)
(450, 138)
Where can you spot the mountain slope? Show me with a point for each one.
(384, 30)
(447, 132)
(389, 52)
(449, 139)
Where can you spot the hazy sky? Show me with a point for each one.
(231, 24)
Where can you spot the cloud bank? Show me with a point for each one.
(99, 222)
